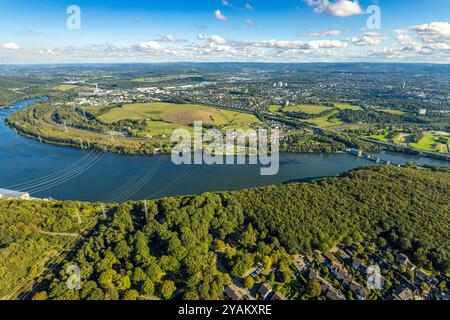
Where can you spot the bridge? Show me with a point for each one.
(367, 156)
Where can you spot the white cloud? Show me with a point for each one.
(345, 8)
(213, 49)
(434, 32)
(339, 8)
(331, 33)
(301, 45)
(384, 52)
(168, 38)
(318, 44)
(220, 16)
(404, 39)
(314, 34)
(425, 39)
(249, 7)
(226, 3)
(214, 38)
(428, 42)
(250, 22)
(368, 39)
(10, 46)
(150, 46)
(48, 52)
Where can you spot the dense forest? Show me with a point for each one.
(375, 117)
(7, 97)
(13, 89)
(324, 142)
(177, 248)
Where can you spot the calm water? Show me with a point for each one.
(70, 174)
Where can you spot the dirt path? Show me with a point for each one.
(59, 234)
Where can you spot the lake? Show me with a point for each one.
(62, 173)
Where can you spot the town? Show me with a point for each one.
(341, 274)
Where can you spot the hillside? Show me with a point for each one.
(170, 248)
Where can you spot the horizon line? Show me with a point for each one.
(222, 62)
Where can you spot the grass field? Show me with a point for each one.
(163, 118)
(306, 108)
(429, 143)
(394, 112)
(274, 108)
(160, 128)
(347, 107)
(325, 121)
(65, 87)
(143, 111)
(401, 138)
(379, 137)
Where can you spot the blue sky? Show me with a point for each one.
(224, 30)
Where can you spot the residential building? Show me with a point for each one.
(278, 296)
(333, 294)
(233, 293)
(357, 263)
(264, 291)
(328, 290)
(403, 294)
(402, 259)
(359, 291)
(341, 273)
(299, 263)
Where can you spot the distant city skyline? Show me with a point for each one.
(224, 31)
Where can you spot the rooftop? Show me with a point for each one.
(13, 194)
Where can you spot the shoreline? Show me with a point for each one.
(72, 144)
(98, 146)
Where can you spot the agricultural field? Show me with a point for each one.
(65, 87)
(163, 118)
(160, 128)
(68, 87)
(143, 111)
